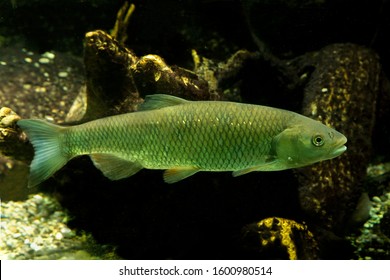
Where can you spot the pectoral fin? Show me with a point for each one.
(174, 175)
(115, 168)
(244, 171)
(271, 164)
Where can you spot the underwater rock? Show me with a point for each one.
(13, 170)
(117, 79)
(345, 88)
(372, 241)
(223, 77)
(342, 91)
(14, 155)
(280, 238)
(10, 135)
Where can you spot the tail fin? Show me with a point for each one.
(46, 140)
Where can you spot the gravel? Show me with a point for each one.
(36, 229)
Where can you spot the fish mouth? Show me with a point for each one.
(338, 151)
(339, 148)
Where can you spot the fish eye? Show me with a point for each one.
(318, 140)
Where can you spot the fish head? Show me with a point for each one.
(308, 142)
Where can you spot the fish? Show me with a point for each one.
(184, 137)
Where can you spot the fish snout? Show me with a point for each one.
(339, 147)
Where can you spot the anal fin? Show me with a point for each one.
(114, 167)
(174, 175)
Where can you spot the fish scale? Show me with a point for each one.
(184, 137)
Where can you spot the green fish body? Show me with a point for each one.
(184, 137)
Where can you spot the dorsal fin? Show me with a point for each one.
(158, 101)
